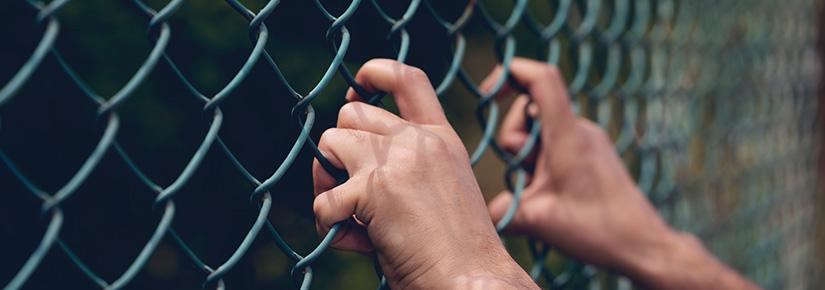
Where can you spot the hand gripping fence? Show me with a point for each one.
(700, 118)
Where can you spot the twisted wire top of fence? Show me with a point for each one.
(713, 104)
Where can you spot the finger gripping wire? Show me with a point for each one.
(712, 105)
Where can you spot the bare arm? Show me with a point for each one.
(582, 200)
(682, 262)
(411, 192)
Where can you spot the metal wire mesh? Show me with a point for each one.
(713, 104)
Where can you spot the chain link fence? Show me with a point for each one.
(714, 106)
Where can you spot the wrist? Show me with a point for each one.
(660, 263)
(499, 273)
(680, 261)
(479, 263)
(489, 281)
(494, 268)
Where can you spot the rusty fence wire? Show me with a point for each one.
(713, 105)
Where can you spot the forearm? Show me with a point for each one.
(480, 262)
(683, 263)
(497, 270)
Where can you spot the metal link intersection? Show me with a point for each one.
(697, 115)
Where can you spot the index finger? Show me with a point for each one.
(546, 87)
(413, 93)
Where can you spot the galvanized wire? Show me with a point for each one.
(715, 111)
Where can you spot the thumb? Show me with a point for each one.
(532, 218)
(499, 207)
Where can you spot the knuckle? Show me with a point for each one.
(376, 62)
(348, 113)
(590, 137)
(339, 136)
(509, 141)
(318, 207)
(329, 138)
(357, 136)
(594, 132)
(380, 177)
(373, 64)
(551, 71)
(536, 217)
(445, 148)
(413, 74)
(437, 145)
(453, 145)
(328, 205)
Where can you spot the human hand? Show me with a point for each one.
(411, 190)
(581, 200)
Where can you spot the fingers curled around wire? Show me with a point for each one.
(410, 87)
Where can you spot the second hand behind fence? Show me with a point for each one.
(712, 103)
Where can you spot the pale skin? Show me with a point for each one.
(416, 203)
